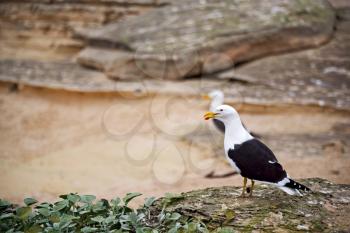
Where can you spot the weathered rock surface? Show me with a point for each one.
(110, 2)
(271, 81)
(340, 3)
(72, 77)
(192, 37)
(43, 29)
(326, 209)
(319, 76)
(56, 75)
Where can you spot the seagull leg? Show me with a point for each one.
(251, 188)
(244, 187)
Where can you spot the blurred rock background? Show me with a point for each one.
(104, 96)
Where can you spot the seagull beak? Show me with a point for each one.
(209, 115)
(206, 97)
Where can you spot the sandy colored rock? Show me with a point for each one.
(340, 3)
(72, 77)
(110, 2)
(43, 29)
(56, 75)
(319, 76)
(210, 36)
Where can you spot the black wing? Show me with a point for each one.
(257, 162)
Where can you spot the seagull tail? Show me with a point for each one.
(293, 188)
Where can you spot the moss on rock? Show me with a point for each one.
(324, 209)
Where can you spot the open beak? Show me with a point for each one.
(206, 97)
(209, 115)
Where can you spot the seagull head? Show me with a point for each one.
(223, 113)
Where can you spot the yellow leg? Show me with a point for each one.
(251, 188)
(244, 187)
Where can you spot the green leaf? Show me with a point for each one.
(84, 212)
(24, 212)
(30, 201)
(173, 230)
(129, 197)
(98, 219)
(192, 227)
(67, 218)
(99, 206)
(133, 219)
(125, 227)
(149, 201)
(64, 224)
(174, 216)
(44, 211)
(55, 218)
(109, 219)
(34, 229)
(73, 198)
(88, 229)
(116, 201)
(60, 205)
(139, 230)
(44, 205)
(4, 203)
(4, 216)
(87, 198)
(63, 196)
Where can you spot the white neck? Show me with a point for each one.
(235, 133)
(216, 101)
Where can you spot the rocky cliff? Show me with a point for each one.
(144, 45)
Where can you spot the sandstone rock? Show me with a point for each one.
(326, 209)
(56, 75)
(211, 34)
(43, 29)
(340, 3)
(72, 77)
(110, 2)
(319, 76)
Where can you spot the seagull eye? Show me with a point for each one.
(221, 110)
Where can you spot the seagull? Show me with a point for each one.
(217, 99)
(251, 158)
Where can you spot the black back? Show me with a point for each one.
(257, 162)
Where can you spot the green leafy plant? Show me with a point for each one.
(83, 213)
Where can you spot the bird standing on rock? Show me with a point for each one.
(251, 158)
